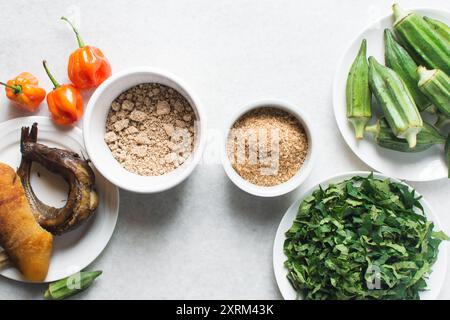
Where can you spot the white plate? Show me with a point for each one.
(423, 166)
(75, 250)
(434, 283)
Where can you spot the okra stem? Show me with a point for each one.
(411, 137)
(399, 13)
(424, 74)
(359, 124)
(435, 84)
(373, 129)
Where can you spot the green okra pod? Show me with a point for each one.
(424, 44)
(396, 102)
(435, 84)
(359, 110)
(70, 286)
(399, 60)
(384, 137)
(439, 26)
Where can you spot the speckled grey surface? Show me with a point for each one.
(204, 238)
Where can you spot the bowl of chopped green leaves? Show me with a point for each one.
(360, 235)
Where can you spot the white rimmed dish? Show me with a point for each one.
(304, 170)
(75, 250)
(436, 278)
(94, 131)
(423, 166)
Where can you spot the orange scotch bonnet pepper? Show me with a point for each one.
(87, 67)
(65, 102)
(24, 90)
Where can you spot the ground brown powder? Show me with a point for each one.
(150, 129)
(267, 146)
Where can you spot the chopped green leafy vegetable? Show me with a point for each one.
(362, 238)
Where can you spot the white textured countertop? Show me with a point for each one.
(204, 239)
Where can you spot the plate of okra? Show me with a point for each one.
(385, 108)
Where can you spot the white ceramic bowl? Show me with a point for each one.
(435, 280)
(94, 131)
(427, 165)
(298, 178)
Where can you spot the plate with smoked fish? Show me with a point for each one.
(57, 213)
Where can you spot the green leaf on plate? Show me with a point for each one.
(362, 238)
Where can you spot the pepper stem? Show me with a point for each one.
(55, 83)
(17, 89)
(80, 41)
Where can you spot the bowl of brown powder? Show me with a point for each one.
(144, 130)
(269, 148)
